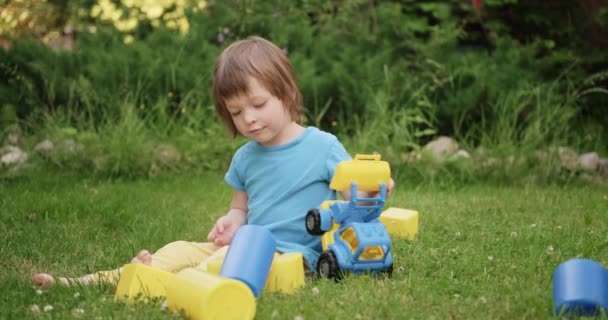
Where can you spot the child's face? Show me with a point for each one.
(260, 116)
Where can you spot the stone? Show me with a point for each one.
(11, 155)
(462, 154)
(442, 147)
(568, 158)
(44, 147)
(589, 161)
(14, 136)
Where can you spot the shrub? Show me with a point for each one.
(390, 73)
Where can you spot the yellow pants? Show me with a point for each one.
(173, 257)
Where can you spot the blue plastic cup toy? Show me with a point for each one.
(249, 257)
(580, 287)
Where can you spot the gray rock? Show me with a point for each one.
(589, 161)
(11, 155)
(568, 158)
(462, 154)
(44, 147)
(7, 149)
(442, 147)
(14, 136)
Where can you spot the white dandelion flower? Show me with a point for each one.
(78, 312)
(35, 308)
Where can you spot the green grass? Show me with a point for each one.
(484, 251)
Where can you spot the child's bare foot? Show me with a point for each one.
(43, 280)
(143, 257)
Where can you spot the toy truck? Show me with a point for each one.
(354, 239)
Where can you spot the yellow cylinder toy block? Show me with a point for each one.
(286, 273)
(142, 281)
(204, 296)
(401, 223)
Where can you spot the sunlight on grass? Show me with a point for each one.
(483, 251)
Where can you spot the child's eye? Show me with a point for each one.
(236, 113)
(258, 106)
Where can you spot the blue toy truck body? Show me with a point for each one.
(361, 243)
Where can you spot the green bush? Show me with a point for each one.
(392, 74)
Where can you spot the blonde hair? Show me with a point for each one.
(261, 59)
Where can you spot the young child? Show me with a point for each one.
(279, 175)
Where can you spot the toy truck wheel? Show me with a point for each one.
(328, 267)
(313, 222)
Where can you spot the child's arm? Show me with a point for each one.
(362, 194)
(226, 226)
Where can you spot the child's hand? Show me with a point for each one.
(389, 189)
(224, 229)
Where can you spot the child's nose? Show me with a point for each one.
(250, 116)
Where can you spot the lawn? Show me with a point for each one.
(484, 251)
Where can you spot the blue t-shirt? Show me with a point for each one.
(283, 182)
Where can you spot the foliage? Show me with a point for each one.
(130, 15)
(392, 74)
(580, 25)
(32, 17)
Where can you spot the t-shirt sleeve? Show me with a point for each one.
(337, 153)
(234, 177)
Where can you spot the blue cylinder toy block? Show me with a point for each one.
(580, 287)
(249, 257)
